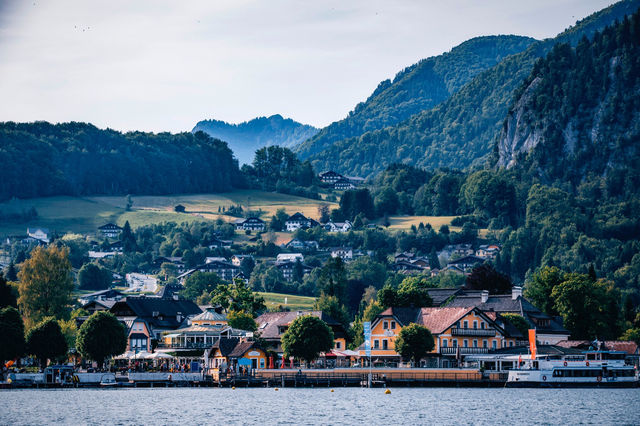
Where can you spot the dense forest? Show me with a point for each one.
(460, 131)
(247, 137)
(42, 159)
(417, 88)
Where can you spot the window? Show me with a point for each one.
(385, 344)
(475, 325)
(466, 324)
(485, 343)
(454, 343)
(475, 343)
(482, 325)
(338, 345)
(376, 344)
(261, 362)
(385, 325)
(444, 343)
(511, 344)
(465, 343)
(393, 325)
(494, 345)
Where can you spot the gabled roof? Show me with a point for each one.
(466, 260)
(404, 316)
(166, 309)
(441, 295)
(269, 322)
(297, 216)
(209, 315)
(240, 349)
(110, 226)
(437, 320)
(226, 345)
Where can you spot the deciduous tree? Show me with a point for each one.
(306, 337)
(414, 342)
(101, 336)
(12, 333)
(46, 341)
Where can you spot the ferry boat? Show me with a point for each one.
(591, 369)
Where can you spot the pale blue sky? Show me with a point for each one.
(160, 65)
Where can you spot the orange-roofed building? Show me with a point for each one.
(457, 331)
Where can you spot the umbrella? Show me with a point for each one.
(142, 355)
(161, 355)
(126, 355)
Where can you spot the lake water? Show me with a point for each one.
(320, 406)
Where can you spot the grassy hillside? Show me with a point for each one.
(85, 214)
(303, 303)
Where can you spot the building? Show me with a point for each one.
(457, 331)
(332, 226)
(39, 234)
(110, 230)
(273, 325)
(102, 295)
(141, 282)
(176, 261)
(466, 263)
(298, 245)
(330, 177)
(224, 270)
(488, 251)
(147, 318)
(228, 355)
(237, 259)
(216, 242)
(343, 184)
(344, 253)
(299, 221)
(210, 317)
(250, 224)
(288, 269)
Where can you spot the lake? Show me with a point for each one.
(320, 406)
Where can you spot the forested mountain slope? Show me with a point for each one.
(461, 131)
(43, 159)
(418, 87)
(245, 138)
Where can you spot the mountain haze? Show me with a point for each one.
(418, 87)
(459, 132)
(245, 138)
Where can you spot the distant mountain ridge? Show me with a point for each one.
(245, 138)
(418, 87)
(461, 131)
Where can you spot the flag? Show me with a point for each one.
(532, 343)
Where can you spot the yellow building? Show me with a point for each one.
(209, 317)
(457, 331)
(228, 355)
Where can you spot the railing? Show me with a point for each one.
(463, 351)
(187, 345)
(472, 332)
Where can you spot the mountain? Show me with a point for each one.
(418, 87)
(578, 112)
(245, 138)
(459, 132)
(43, 159)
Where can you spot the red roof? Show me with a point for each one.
(437, 320)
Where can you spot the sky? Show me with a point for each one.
(158, 65)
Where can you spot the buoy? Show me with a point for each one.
(233, 388)
(387, 392)
(331, 390)
(276, 389)
(9, 381)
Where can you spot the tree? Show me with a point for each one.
(306, 337)
(414, 342)
(94, 277)
(485, 277)
(323, 213)
(11, 274)
(46, 341)
(128, 201)
(12, 332)
(241, 320)
(128, 239)
(518, 322)
(539, 288)
(246, 265)
(412, 291)
(331, 306)
(7, 298)
(101, 336)
(69, 331)
(45, 284)
(200, 282)
(332, 279)
(632, 334)
(179, 208)
(589, 309)
(278, 220)
(237, 297)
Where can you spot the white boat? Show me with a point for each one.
(108, 380)
(591, 369)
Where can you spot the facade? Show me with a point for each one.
(250, 224)
(330, 177)
(338, 226)
(237, 259)
(299, 221)
(296, 244)
(343, 184)
(229, 355)
(39, 234)
(224, 270)
(289, 257)
(210, 317)
(287, 268)
(466, 263)
(110, 230)
(344, 253)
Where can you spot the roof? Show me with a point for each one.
(209, 315)
(441, 295)
(269, 322)
(467, 260)
(297, 216)
(226, 345)
(240, 349)
(166, 309)
(104, 303)
(404, 316)
(437, 320)
(109, 226)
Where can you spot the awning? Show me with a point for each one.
(171, 336)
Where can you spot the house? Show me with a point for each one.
(403, 257)
(289, 257)
(116, 246)
(466, 263)
(237, 259)
(110, 230)
(298, 221)
(250, 224)
(214, 259)
(273, 325)
(210, 317)
(225, 270)
(330, 177)
(344, 253)
(39, 234)
(457, 331)
(176, 261)
(98, 305)
(216, 242)
(407, 267)
(228, 355)
(549, 330)
(141, 282)
(169, 291)
(102, 295)
(343, 184)
(296, 244)
(287, 269)
(488, 251)
(241, 276)
(101, 254)
(147, 318)
(332, 226)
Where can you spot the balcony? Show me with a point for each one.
(185, 345)
(486, 332)
(463, 351)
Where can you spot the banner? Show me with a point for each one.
(367, 337)
(532, 343)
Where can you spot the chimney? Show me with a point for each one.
(516, 291)
(484, 296)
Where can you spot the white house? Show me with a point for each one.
(338, 226)
(289, 257)
(40, 234)
(344, 253)
(141, 282)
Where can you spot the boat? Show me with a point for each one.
(596, 368)
(108, 380)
